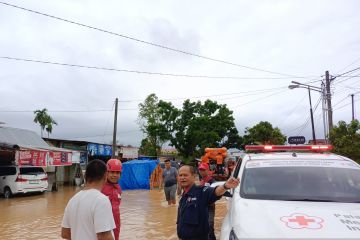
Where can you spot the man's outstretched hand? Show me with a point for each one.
(232, 182)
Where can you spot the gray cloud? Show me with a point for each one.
(303, 38)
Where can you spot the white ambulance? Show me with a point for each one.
(294, 192)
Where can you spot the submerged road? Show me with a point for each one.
(144, 215)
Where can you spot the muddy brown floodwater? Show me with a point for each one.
(144, 215)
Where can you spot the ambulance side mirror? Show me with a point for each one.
(227, 193)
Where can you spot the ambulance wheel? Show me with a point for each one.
(7, 192)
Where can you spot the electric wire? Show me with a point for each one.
(293, 110)
(147, 42)
(340, 101)
(137, 71)
(303, 126)
(356, 100)
(352, 70)
(309, 118)
(107, 120)
(109, 134)
(355, 61)
(259, 99)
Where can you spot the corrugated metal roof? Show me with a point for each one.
(21, 137)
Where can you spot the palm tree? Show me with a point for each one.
(45, 120)
(49, 124)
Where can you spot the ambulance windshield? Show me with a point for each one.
(308, 180)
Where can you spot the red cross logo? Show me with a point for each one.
(301, 221)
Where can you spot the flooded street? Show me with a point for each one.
(144, 215)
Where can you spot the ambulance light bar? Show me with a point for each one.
(276, 148)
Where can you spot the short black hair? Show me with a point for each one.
(95, 171)
(167, 160)
(191, 168)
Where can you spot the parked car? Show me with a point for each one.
(294, 195)
(15, 179)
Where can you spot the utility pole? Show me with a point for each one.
(324, 111)
(312, 119)
(328, 98)
(352, 103)
(114, 148)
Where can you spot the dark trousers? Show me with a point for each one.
(211, 210)
(196, 238)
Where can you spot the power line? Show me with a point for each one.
(66, 111)
(353, 70)
(107, 121)
(348, 87)
(344, 100)
(293, 110)
(254, 92)
(259, 99)
(109, 134)
(147, 42)
(355, 61)
(247, 93)
(308, 120)
(137, 71)
(345, 105)
(341, 101)
(347, 79)
(352, 76)
(304, 125)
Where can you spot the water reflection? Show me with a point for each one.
(144, 215)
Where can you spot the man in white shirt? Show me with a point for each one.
(88, 214)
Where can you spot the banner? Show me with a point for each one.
(75, 157)
(59, 158)
(99, 149)
(93, 149)
(83, 158)
(129, 152)
(32, 158)
(108, 150)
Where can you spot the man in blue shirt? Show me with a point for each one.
(192, 219)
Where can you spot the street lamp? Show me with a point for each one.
(308, 87)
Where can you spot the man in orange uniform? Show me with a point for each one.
(112, 189)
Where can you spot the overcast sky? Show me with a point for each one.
(298, 38)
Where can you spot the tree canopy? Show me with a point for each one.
(197, 126)
(264, 133)
(45, 121)
(346, 139)
(190, 129)
(149, 121)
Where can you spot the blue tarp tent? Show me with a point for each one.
(136, 174)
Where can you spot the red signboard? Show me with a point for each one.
(32, 158)
(59, 159)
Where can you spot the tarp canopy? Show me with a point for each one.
(136, 174)
(32, 150)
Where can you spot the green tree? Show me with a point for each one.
(147, 148)
(149, 121)
(45, 121)
(49, 125)
(196, 126)
(346, 139)
(234, 140)
(264, 133)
